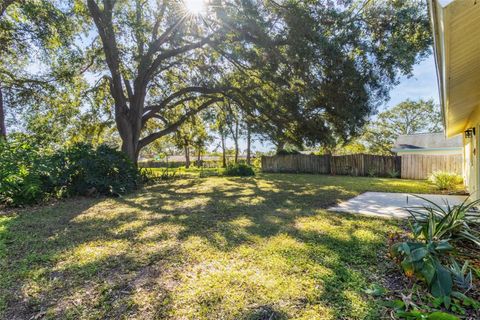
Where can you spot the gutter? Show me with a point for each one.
(437, 23)
(427, 149)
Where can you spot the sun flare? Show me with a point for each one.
(195, 7)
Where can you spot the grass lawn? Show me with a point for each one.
(213, 248)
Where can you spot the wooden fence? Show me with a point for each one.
(365, 165)
(407, 166)
(296, 163)
(417, 166)
(354, 165)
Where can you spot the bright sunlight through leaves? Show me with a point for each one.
(195, 7)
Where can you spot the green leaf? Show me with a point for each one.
(375, 290)
(443, 246)
(408, 267)
(398, 304)
(437, 302)
(428, 271)
(442, 282)
(418, 254)
(447, 301)
(438, 315)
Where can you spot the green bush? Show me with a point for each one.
(239, 170)
(423, 259)
(435, 229)
(393, 174)
(30, 175)
(286, 152)
(83, 170)
(445, 180)
(435, 223)
(149, 175)
(372, 173)
(256, 162)
(22, 174)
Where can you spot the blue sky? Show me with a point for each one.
(422, 85)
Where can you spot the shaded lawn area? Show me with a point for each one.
(215, 248)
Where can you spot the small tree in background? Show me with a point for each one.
(192, 134)
(407, 117)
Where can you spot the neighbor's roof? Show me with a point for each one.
(455, 27)
(427, 141)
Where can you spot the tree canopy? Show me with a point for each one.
(407, 117)
(304, 73)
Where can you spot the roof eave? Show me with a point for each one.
(426, 149)
(436, 20)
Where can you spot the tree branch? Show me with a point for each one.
(175, 125)
(151, 110)
(171, 53)
(103, 22)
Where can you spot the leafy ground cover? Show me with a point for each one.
(259, 247)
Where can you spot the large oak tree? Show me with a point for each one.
(313, 68)
(303, 72)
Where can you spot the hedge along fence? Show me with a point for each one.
(353, 165)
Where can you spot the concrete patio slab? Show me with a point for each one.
(391, 205)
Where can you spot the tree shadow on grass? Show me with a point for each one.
(53, 259)
(124, 257)
(264, 312)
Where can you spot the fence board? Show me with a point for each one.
(355, 164)
(417, 166)
(407, 166)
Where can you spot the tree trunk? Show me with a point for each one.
(130, 149)
(224, 155)
(199, 157)
(280, 145)
(3, 128)
(129, 138)
(249, 142)
(187, 156)
(236, 141)
(129, 94)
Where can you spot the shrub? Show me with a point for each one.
(435, 223)
(285, 152)
(256, 162)
(149, 175)
(445, 180)
(30, 175)
(433, 228)
(393, 174)
(82, 170)
(422, 259)
(22, 174)
(239, 170)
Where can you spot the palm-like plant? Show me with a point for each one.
(436, 223)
